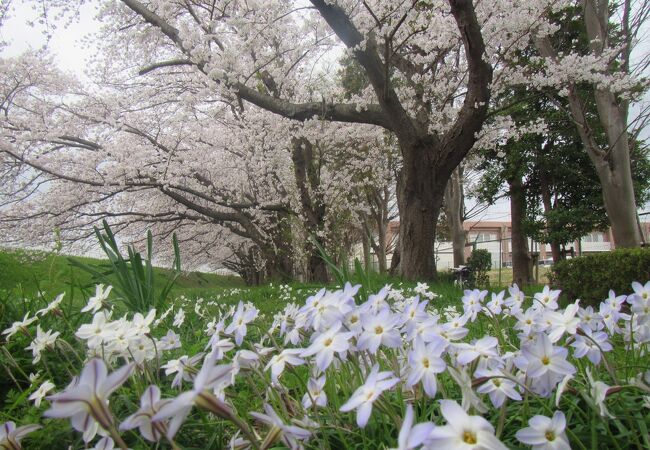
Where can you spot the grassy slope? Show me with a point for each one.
(29, 272)
(26, 273)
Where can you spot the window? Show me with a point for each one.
(596, 236)
(482, 236)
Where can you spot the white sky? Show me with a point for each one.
(71, 56)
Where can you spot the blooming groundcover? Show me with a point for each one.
(399, 368)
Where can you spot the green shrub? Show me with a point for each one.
(590, 278)
(479, 263)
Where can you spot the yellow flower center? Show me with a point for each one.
(354, 319)
(425, 362)
(469, 437)
(550, 436)
(328, 342)
(546, 361)
(379, 330)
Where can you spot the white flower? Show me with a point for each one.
(170, 341)
(288, 434)
(179, 318)
(528, 322)
(241, 317)
(545, 433)
(515, 300)
(496, 304)
(545, 364)
(412, 436)
(140, 323)
(42, 341)
(211, 377)
(592, 344)
(184, 368)
(379, 330)
(598, 394)
(473, 302)
(562, 322)
(363, 398)
(463, 432)
(614, 301)
(326, 344)
(590, 319)
(97, 332)
(546, 299)
(150, 404)
(96, 302)
(277, 362)
(641, 291)
(497, 387)
(85, 400)
(52, 306)
(142, 348)
(19, 325)
(10, 436)
(39, 394)
(219, 347)
(315, 395)
(486, 347)
(611, 317)
(425, 362)
(105, 443)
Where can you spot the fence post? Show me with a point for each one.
(500, 259)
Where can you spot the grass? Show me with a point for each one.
(30, 272)
(506, 276)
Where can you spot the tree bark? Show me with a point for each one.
(454, 205)
(381, 241)
(394, 261)
(522, 267)
(420, 200)
(317, 269)
(556, 251)
(365, 241)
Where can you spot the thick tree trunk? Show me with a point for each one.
(522, 267)
(618, 196)
(317, 270)
(279, 267)
(420, 201)
(306, 166)
(454, 205)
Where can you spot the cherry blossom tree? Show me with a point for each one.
(611, 32)
(143, 156)
(249, 51)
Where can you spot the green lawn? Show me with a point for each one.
(29, 272)
(26, 273)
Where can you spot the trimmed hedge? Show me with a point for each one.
(590, 278)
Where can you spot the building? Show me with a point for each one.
(495, 237)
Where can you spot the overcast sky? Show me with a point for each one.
(71, 56)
